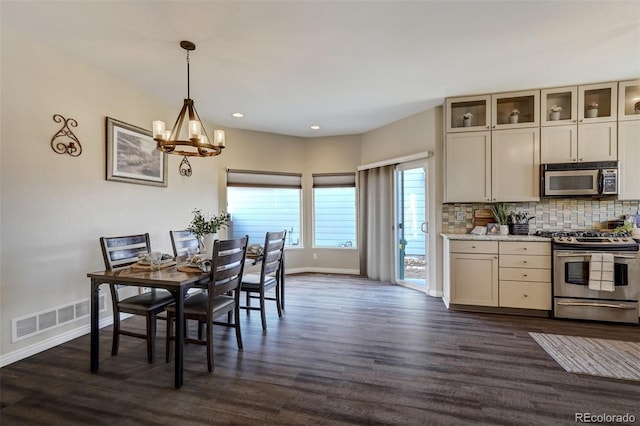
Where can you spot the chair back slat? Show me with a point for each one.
(184, 242)
(227, 266)
(123, 251)
(274, 243)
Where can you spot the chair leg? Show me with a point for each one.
(209, 346)
(151, 332)
(200, 330)
(169, 351)
(116, 334)
(263, 312)
(278, 301)
(237, 326)
(248, 303)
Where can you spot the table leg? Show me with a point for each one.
(95, 331)
(178, 296)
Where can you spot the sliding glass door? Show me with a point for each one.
(412, 224)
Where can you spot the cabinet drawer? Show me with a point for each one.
(525, 295)
(525, 274)
(523, 261)
(489, 247)
(523, 247)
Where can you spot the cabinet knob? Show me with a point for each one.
(525, 248)
(488, 127)
(580, 159)
(473, 246)
(525, 275)
(524, 261)
(526, 295)
(581, 120)
(494, 127)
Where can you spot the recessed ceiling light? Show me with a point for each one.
(237, 115)
(314, 127)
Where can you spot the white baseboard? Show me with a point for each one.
(435, 293)
(51, 342)
(323, 271)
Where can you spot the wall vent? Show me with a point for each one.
(39, 322)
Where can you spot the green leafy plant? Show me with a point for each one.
(201, 226)
(500, 213)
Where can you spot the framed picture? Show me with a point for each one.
(493, 228)
(132, 155)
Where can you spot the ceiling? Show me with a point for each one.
(347, 66)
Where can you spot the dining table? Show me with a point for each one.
(171, 278)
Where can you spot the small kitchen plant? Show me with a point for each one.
(513, 117)
(500, 214)
(554, 112)
(206, 228)
(466, 119)
(592, 110)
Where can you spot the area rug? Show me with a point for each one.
(597, 357)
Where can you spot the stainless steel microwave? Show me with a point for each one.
(599, 178)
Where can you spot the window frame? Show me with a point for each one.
(333, 180)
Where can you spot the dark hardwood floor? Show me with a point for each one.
(348, 351)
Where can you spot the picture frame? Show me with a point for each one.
(132, 156)
(493, 229)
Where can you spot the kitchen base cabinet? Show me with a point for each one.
(474, 279)
(525, 275)
(525, 295)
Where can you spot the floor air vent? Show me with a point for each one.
(33, 324)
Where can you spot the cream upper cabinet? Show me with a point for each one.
(515, 109)
(469, 113)
(559, 106)
(629, 100)
(581, 132)
(598, 103)
(515, 165)
(468, 167)
(629, 152)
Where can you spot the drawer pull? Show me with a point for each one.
(525, 275)
(526, 295)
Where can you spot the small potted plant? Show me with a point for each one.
(554, 114)
(500, 214)
(513, 117)
(466, 119)
(206, 228)
(592, 110)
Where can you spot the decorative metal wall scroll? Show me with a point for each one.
(72, 147)
(185, 167)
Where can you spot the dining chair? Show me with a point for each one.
(124, 251)
(222, 297)
(184, 243)
(255, 286)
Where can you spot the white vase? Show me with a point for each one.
(207, 244)
(513, 119)
(466, 122)
(555, 116)
(504, 229)
(592, 113)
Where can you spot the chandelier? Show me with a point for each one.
(194, 142)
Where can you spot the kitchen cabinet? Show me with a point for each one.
(525, 103)
(477, 107)
(629, 100)
(580, 133)
(525, 275)
(629, 153)
(468, 167)
(473, 273)
(515, 165)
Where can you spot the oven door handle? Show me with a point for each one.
(596, 304)
(619, 256)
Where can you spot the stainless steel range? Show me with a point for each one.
(596, 276)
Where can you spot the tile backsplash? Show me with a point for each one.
(551, 214)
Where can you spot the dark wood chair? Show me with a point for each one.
(255, 286)
(124, 251)
(222, 297)
(184, 243)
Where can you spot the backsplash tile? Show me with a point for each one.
(551, 214)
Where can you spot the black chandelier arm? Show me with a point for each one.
(73, 147)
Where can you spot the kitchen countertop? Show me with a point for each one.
(469, 237)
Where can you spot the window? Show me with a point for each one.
(264, 201)
(334, 203)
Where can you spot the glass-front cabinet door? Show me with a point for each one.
(469, 113)
(629, 100)
(559, 106)
(597, 102)
(515, 109)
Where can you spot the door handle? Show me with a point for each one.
(597, 305)
(423, 227)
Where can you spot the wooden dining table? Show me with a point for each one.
(171, 279)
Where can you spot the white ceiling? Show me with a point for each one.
(348, 66)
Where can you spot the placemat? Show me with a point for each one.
(142, 267)
(188, 268)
